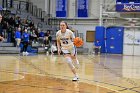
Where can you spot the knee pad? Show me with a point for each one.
(69, 61)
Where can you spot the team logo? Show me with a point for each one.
(131, 7)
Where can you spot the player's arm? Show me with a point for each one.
(58, 43)
(72, 35)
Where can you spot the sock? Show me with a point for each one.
(77, 62)
(76, 75)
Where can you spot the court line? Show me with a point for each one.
(44, 72)
(105, 67)
(10, 71)
(13, 74)
(44, 87)
(131, 90)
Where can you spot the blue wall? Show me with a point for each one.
(111, 39)
(100, 35)
(114, 40)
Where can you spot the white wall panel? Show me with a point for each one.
(128, 48)
(39, 3)
(53, 8)
(71, 8)
(131, 42)
(94, 8)
(137, 43)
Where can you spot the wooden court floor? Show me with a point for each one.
(51, 74)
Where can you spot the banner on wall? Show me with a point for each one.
(128, 7)
(82, 8)
(61, 8)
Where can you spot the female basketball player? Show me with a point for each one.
(64, 39)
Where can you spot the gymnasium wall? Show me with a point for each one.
(0, 2)
(93, 6)
(39, 3)
(88, 23)
(84, 29)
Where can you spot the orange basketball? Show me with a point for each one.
(78, 42)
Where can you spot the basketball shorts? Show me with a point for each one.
(72, 51)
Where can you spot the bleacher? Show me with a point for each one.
(40, 21)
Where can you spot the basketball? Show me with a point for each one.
(78, 42)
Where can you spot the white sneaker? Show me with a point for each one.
(75, 78)
(47, 53)
(24, 53)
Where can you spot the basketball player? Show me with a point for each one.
(64, 39)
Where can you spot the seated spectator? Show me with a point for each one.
(97, 47)
(41, 37)
(34, 36)
(47, 43)
(1, 38)
(47, 38)
(53, 48)
(1, 26)
(18, 37)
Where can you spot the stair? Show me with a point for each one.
(9, 50)
(6, 45)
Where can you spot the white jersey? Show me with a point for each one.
(65, 38)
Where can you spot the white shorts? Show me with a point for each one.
(71, 51)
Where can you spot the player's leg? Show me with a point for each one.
(74, 57)
(70, 64)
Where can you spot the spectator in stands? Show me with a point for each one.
(34, 36)
(18, 37)
(25, 38)
(53, 48)
(1, 27)
(17, 21)
(49, 37)
(11, 21)
(41, 37)
(47, 43)
(5, 29)
(9, 32)
(31, 24)
(1, 38)
(97, 48)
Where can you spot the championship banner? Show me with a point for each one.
(82, 8)
(128, 7)
(61, 8)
